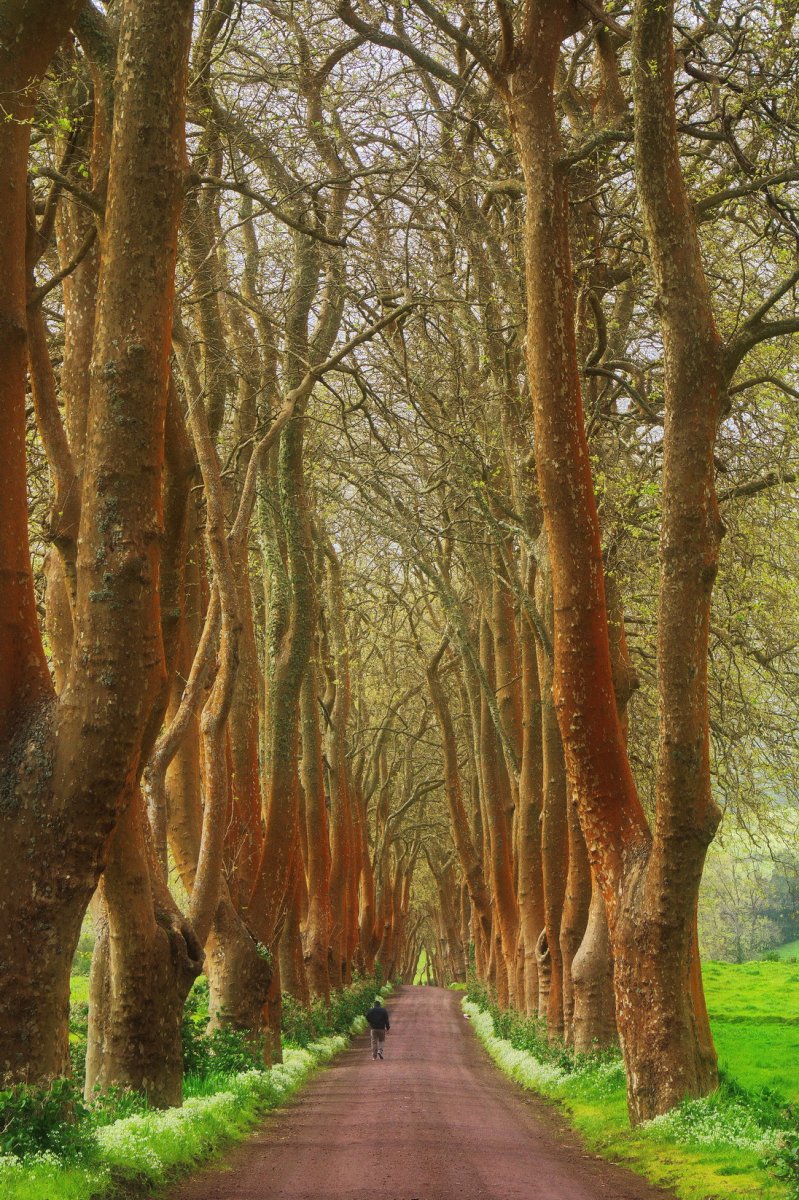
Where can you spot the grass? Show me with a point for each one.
(707, 1150)
(754, 1011)
(789, 950)
(766, 992)
(79, 989)
(140, 1153)
(146, 1151)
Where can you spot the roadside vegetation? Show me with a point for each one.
(740, 1141)
(54, 1144)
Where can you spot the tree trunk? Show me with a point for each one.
(343, 896)
(238, 973)
(461, 833)
(496, 801)
(649, 888)
(531, 778)
(594, 1020)
(76, 762)
(147, 958)
(554, 824)
(575, 913)
(544, 963)
(292, 967)
(317, 865)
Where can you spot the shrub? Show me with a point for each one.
(528, 1034)
(45, 1119)
(78, 1039)
(783, 1160)
(300, 1025)
(115, 1104)
(222, 1051)
(81, 963)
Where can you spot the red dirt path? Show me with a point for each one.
(435, 1121)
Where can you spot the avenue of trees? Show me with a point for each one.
(398, 546)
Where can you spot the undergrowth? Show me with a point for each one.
(739, 1142)
(53, 1144)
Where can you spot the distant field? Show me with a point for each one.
(79, 989)
(421, 968)
(754, 1011)
(789, 950)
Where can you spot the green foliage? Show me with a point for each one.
(754, 1010)
(218, 1052)
(48, 1118)
(53, 1119)
(79, 989)
(767, 992)
(146, 1149)
(760, 1054)
(530, 1034)
(82, 961)
(301, 1026)
(783, 1161)
(78, 1038)
(116, 1104)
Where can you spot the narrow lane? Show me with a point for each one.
(434, 1121)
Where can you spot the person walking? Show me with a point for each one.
(377, 1018)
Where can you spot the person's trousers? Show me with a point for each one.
(378, 1041)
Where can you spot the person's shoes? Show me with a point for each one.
(380, 1054)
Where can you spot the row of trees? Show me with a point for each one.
(355, 359)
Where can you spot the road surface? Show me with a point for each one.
(434, 1121)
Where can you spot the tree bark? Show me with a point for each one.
(496, 801)
(594, 1018)
(574, 920)
(471, 864)
(651, 938)
(317, 863)
(531, 780)
(146, 959)
(554, 815)
(76, 761)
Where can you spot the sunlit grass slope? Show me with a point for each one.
(754, 1010)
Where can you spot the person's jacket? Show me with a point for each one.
(378, 1017)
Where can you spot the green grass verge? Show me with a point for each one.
(789, 950)
(706, 1149)
(139, 1153)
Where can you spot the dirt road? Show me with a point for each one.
(434, 1121)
